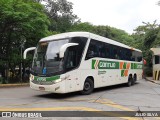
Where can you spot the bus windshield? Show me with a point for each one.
(46, 58)
(46, 61)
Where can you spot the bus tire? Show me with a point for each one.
(88, 87)
(134, 79)
(130, 81)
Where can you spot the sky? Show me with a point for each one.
(122, 14)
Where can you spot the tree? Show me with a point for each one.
(105, 31)
(121, 36)
(86, 27)
(147, 36)
(61, 15)
(20, 21)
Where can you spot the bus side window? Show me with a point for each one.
(96, 49)
(101, 50)
(111, 51)
(92, 50)
(107, 51)
(120, 53)
(116, 53)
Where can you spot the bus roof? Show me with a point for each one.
(88, 35)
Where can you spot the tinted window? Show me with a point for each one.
(72, 60)
(157, 59)
(74, 54)
(105, 50)
(136, 56)
(96, 49)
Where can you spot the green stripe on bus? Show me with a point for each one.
(124, 65)
(47, 78)
(104, 64)
(93, 63)
(132, 65)
(53, 78)
(136, 66)
(122, 73)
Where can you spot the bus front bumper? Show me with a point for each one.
(54, 88)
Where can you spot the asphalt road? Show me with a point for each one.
(143, 96)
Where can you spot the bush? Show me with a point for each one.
(148, 72)
(1, 80)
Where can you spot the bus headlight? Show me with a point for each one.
(31, 78)
(57, 81)
(61, 79)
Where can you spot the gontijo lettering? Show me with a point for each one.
(102, 64)
(108, 65)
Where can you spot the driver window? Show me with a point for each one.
(71, 58)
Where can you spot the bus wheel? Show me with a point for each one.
(134, 79)
(88, 87)
(130, 81)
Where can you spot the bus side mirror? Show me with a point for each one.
(64, 47)
(28, 49)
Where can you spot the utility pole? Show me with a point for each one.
(22, 46)
(21, 66)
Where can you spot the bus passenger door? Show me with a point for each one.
(71, 66)
(70, 84)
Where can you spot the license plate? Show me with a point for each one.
(41, 88)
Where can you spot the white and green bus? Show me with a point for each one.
(82, 61)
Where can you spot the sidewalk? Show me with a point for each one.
(151, 80)
(14, 85)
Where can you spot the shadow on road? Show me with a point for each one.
(58, 96)
(75, 94)
(110, 88)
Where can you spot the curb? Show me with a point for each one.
(153, 81)
(13, 85)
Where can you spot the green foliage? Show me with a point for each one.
(157, 40)
(86, 27)
(61, 15)
(21, 20)
(105, 31)
(147, 36)
(150, 37)
(1, 80)
(121, 36)
(138, 40)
